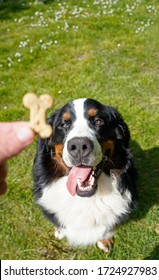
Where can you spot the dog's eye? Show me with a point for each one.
(65, 125)
(99, 122)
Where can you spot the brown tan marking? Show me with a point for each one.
(67, 116)
(92, 112)
(58, 156)
(108, 145)
(58, 151)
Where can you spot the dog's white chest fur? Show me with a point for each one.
(86, 220)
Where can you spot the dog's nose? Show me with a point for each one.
(80, 147)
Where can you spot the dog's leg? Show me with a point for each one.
(58, 233)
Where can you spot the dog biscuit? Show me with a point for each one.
(38, 106)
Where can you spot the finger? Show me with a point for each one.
(14, 137)
(3, 171)
(3, 174)
(3, 187)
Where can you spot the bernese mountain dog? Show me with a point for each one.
(84, 174)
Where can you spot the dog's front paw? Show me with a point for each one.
(58, 234)
(105, 244)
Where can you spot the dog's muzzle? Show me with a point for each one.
(83, 176)
(80, 149)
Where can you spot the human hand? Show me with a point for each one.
(14, 137)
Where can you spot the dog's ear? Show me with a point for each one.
(52, 119)
(123, 133)
(122, 130)
(44, 144)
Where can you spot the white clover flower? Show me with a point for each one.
(31, 50)
(43, 47)
(10, 60)
(18, 54)
(23, 44)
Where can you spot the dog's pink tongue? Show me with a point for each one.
(77, 172)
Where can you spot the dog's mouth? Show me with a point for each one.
(82, 181)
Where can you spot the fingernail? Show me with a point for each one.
(25, 134)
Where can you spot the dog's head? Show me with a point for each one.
(87, 139)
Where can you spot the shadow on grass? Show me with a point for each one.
(9, 7)
(154, 255)
(148, 185)
(48, 1)
(148, 179)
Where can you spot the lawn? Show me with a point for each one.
(106, 50)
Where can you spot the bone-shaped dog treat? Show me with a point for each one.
(38, 107)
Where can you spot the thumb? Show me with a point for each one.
(14, 137)
(25, 136)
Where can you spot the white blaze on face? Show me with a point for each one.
(81, 129)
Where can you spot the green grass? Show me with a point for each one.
(77, 49)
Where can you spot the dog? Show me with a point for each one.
(84, 174)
